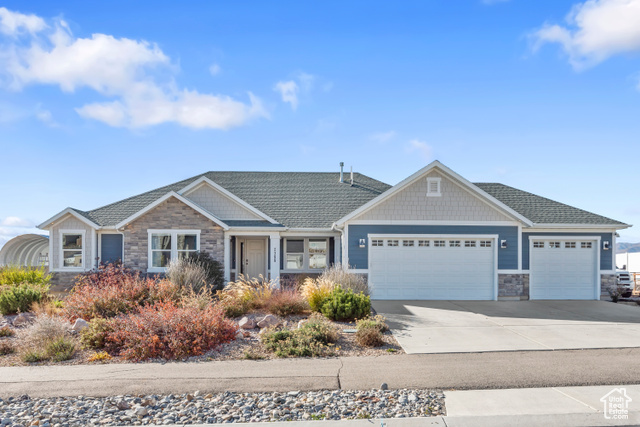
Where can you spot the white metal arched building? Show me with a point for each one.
(27, 250)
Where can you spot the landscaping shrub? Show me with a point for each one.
(316, 291)
(214, 269)
(166, 330)
(14, 275)
(286, 302)
(369, 331)
(60, 349)
(187, 274)
(47, 307)
(313, 338)
(95, 334)
(44, 330)
(339, 275)
(47, 338)
(6, 331)
(6, 348)
(377, 322)
(345, 305)
(18, 298)
(114, 290)
(245, 294)
(615, 292)
(100, 356)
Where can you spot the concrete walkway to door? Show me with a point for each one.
(484, 326)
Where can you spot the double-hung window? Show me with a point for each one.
(72, 249)
(306, 253)
(167, 245)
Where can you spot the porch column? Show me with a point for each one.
(274, 257)
(227, 258)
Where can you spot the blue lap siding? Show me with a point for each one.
(359, 257)
(606, 257)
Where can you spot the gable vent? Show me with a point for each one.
(433, 187)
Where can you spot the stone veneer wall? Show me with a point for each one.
(62, 281)
(606, 281)
(169, 215)
(513, 285)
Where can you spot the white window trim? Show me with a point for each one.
(305, 256)
(429, 192)
(61, 233)
(174, 246)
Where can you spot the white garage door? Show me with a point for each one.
(563, 269)
(432, 268)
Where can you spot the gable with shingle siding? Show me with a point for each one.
(454, 204)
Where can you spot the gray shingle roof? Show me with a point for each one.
(317, 199)
(541, 210)
(294, 199)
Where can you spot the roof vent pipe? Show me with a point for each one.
(341, 172)
(352, 176)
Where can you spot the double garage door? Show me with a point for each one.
(563, 269)
(459, 268)
(464, 268)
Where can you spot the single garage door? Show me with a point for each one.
(563, 269)
(460, 268)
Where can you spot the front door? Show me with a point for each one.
(254, 258)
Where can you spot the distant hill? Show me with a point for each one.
(627, 247)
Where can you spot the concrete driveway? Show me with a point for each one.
(481, 326)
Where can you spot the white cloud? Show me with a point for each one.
(14, 23)
(420, 147)
(289, 92)
(595, 31)
(14, 221)
(129, 71)
(383, 137)
(302, 83)
(215, 69)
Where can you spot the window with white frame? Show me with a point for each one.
(72, 249)
(433, 187)
(295, 254)
(318, 252)
(167, 245)
(306, 253)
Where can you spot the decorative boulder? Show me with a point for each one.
(247, 323)
(23, 319)
(268, 321)
(80, 325)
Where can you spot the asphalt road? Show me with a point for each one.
(458, 371)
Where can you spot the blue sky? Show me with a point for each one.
(103, 100)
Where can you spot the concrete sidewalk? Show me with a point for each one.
(466, 371)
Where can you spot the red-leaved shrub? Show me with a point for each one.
(284, 302)
(166, 330)
(114, 290)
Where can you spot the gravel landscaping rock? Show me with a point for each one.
(221, 408)
(268, 321)
(247, 323)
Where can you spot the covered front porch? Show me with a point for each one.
(275, 255)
